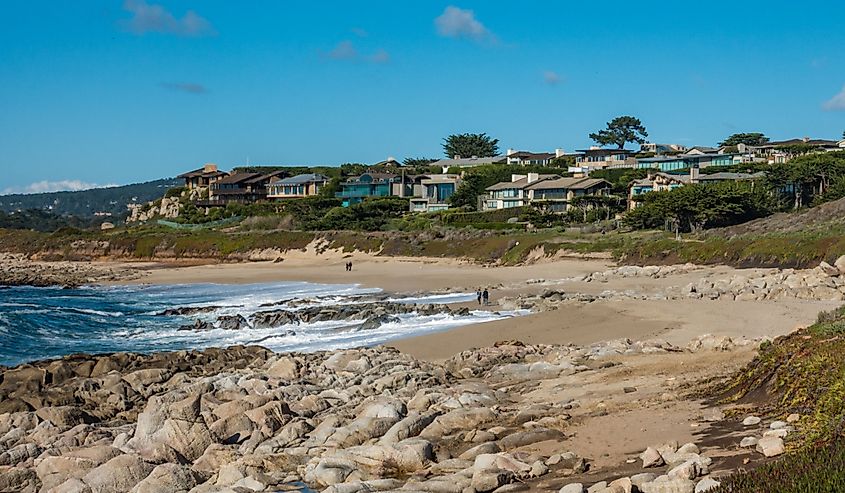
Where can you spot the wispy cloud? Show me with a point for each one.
(53, 186)
(188, 87)
(819, 62)
(379, 56)
(148, 17)
(346, 51)
(552, 78)
(837, 102)
(361, 33)
(456, 22)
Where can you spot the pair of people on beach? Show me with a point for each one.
(348, 266)
(483, 297)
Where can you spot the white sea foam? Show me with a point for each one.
(39, 323)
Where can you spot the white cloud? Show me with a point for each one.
(379, 56)
(189, 87)
(155, 18)
(836, 103)
(345, 50)
(54, 186)
(456, 22)
(551, 78)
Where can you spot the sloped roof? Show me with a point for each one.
(470, 161)
(521, 183)
(303, 179)
(567, 183)
(239, 178)
(532, 155)
(726, 176)
(201, 172)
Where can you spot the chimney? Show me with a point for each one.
(693, 173)
(510, 151)
(559, 152)
(209, 168)
(456, 156)
(516, 178)
(741, 148)
(532, 177)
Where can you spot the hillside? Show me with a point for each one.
(85, 203)
(820, 217)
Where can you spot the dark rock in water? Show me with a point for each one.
(232, 322)
(376, 313)
(198, 325)
(461, 312)
(273, 318)
(187, 310)
(376, 322)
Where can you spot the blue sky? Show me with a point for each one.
(114, 91)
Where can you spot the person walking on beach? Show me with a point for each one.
(350, 266)
(485, 296)
(478, 295)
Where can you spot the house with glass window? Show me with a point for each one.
(688, 161)
(556, 195)
(601, 158)
(237, 188)
(295, 187)
(655, 182)
(357, 188)
(506, 195)
(203, 177)
(433, 192)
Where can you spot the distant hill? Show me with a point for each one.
(87, 203)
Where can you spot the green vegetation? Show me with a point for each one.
(477, 179)
(695, 207)
(620, 178)
(751, 139)
(468, 145)
(39, 220)
(85, 203)
(621, 130)
(800, 373)
(814, 470)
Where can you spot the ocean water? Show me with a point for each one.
(39, 323)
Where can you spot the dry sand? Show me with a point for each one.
(677, 321)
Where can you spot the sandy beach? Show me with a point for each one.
(676, 321)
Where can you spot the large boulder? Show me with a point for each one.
(458, 420)
(840, 264)
(484, 480)
(167, 478)
(177, 426)
(64, 417)
(118, 475)
(409, 426)
(677, 485)
(770, 446)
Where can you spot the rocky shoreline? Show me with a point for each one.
(244, 419)
(18, 270)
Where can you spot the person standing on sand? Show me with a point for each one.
(478, 295)
(485, 296)
(350, 266)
